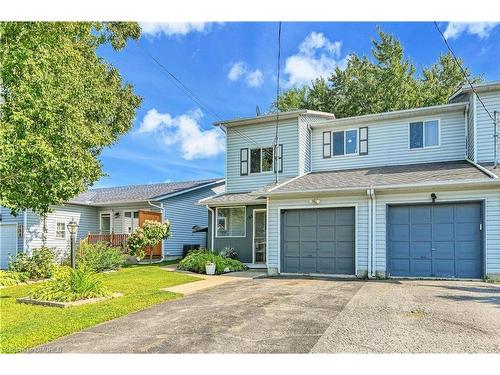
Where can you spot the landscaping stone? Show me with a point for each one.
(80, 302)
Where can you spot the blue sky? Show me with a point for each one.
(231, 67)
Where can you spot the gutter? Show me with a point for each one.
(482, 169)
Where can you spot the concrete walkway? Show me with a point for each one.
(210, 281)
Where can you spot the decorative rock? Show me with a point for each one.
(80, 302)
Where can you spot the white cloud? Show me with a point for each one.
(173, 28)
(481, 29)
(236, 71)
(317, 57)
(239, 69)
(185, 132)
(255, 78)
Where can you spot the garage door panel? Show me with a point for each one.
(468, 231)
(420, 215)
(421, 267)
(443, 232)
(446, 243)
(400, 249)
(421, 250)
(326, 265)
(400, 267)
(444, 268)
(344, 232)
(345, 249)
(308, 217)
(326, 249)
(292, 218)
(400, 232)
(468, 268)
(399, 215)
(325, 233)
(8, 243)
(443, 214)
(325, 241)
(444, 249)
(467, 213)
(344, 266)
(420, 232)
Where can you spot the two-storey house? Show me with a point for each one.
(411, 193)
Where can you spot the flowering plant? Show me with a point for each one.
(149, 235)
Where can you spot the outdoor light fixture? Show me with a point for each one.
(314, 201)
(72, 227)
(433, 197)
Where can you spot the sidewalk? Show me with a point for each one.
(210, 281)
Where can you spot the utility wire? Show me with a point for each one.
(463, 71)
(188, 92)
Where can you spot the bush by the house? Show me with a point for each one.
(229, 252)
(148, 235)
(195, 261)
(39, 264)
(71, 285)
(99, 257)
(8, 278)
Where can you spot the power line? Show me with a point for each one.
(188, 92)
(462, 70)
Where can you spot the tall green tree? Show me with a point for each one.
(60, 105)
(386, 82)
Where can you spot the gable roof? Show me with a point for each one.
(139, 193)
(272, 117)
(384, 177)
(478, 87)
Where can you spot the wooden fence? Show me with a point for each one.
(115, 240)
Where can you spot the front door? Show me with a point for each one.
(154, 216)
(259, 236)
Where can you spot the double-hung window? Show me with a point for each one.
(231, 222)
(60, 230)
(261, 160)
(130, 221)
(424, 134)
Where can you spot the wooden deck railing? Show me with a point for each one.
(113, 239)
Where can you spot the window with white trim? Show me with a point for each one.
(345, 142)
(261, 160)
(131, 221)
(60, 230)
(231, 222)
(423, 134)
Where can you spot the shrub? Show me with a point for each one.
(8, 278)
(228, 252)
(99, 257)
(71, 285)
(37, 265)
(196, 260)
(150, 234)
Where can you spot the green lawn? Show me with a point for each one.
(25, 326)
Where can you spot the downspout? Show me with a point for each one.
(213, 226)
(368, 271)
(25, 230)
(374, 234)
(371, 232)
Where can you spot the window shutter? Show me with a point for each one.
(363, 141)
(327, 144)
(279, 158)
(244, 161)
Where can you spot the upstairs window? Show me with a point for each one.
(261, 160)
(345, 142)
(424, 134)
(60, 230)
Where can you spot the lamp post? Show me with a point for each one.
(73, 227)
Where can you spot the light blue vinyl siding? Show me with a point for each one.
(183, 213)
(470, 136)
(388, 144)
(263, 135)
(484, 126)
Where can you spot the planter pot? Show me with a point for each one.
(210, 268)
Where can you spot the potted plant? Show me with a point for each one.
(210, 268)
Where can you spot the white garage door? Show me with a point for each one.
(8, 243)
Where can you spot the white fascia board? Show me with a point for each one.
(165, 196)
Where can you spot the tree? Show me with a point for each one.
(387, 83)
(60, 105)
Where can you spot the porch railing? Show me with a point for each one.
(113, 239)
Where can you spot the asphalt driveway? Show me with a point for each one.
(278, 315)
